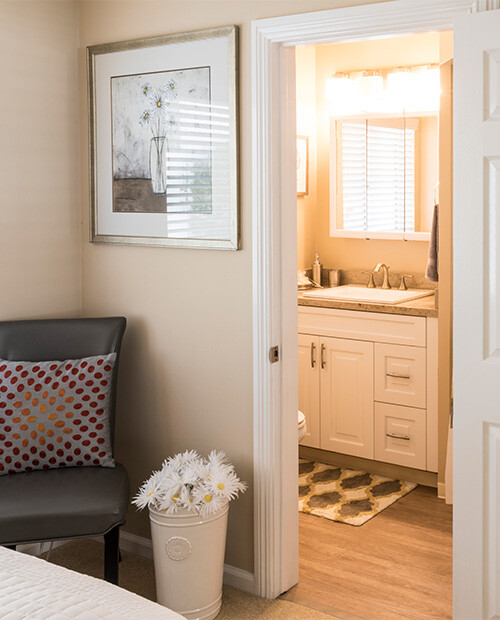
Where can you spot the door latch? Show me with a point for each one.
(274, 354)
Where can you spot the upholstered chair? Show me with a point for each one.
(71, 502)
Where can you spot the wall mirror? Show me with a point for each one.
(383, 172)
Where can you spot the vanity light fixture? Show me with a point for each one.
(414, 90)
(340, 90)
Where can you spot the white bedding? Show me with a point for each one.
(33, 589)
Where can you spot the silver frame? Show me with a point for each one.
(231, 32)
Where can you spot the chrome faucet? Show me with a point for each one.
(385, 271)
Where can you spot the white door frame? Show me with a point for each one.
(275, 254)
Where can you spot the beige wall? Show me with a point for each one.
(40, 272)
(186, 378)
(409, 256)
(305, 72)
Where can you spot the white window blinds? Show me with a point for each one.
(377, 176)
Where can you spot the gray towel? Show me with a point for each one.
(432, 271)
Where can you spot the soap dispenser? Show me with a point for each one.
(316, 269)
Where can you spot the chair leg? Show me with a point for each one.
(111, 555)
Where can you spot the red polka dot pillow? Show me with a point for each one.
(55, 414)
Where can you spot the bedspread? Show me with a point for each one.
(33, 589)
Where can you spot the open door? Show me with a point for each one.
(477, 316)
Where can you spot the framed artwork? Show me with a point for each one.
(302, 165)
(163, 126)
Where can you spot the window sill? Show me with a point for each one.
(366, 234)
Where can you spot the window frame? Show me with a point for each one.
(336, 213)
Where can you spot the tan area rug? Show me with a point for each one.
(346, 495)
(137, 575)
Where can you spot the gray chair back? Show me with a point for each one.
(62, 339)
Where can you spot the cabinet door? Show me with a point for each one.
(309, 388)
(346, 368)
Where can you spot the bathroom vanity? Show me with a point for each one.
(368, 380)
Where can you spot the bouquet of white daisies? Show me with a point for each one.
(188, 480)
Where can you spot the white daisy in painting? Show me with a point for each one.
(147, 118)
(169, 89)
(157, 101)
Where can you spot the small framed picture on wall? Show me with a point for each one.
(302, 165)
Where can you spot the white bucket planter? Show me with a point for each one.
(188, 555)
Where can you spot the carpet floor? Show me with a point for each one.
(346, 495)
(137, 575)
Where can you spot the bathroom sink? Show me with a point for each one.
(367, 295)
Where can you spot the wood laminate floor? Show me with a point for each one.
(397, 566)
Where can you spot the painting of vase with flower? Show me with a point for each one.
(162, 142)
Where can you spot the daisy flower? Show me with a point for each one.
(180, 460)
(146, 89)
(225, 483)
(150, 491)
(207, 502)
(171, 501)
(187, 480)
(216, 458)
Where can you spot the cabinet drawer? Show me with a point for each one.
(400, 375)
(355, 325)
(400, 435)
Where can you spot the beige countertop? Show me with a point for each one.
(425, 306)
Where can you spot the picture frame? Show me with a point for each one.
(302, 166)
(163, 141)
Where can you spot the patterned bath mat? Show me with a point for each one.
(346, 495)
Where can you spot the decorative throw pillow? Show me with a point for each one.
(55, 414)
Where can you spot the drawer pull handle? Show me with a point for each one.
(405, 437)
(397, 375)
(323, 356)
(313, 356)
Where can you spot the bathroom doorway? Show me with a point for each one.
(374, 126)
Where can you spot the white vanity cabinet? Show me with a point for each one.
(368, 384)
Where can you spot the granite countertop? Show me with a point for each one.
(424, 306)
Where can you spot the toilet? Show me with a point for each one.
(302, 426)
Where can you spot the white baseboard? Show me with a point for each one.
(239, 578)
(136, 544)
(235, 577)
(441, 490)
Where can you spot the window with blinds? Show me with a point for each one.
(376, 175)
